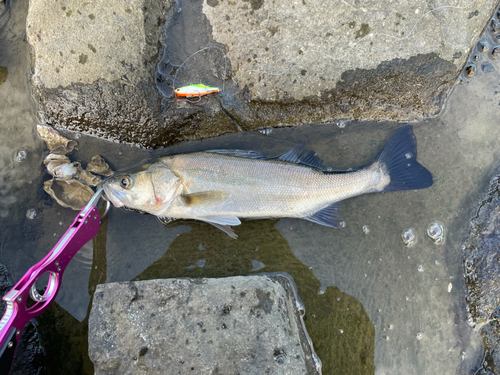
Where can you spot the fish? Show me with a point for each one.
(220, 187)
(195, 90)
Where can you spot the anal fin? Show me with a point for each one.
(226, 229)
(327, 216)
(222, 222)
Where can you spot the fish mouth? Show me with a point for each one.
(114, 197)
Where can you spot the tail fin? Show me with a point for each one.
(400, 157)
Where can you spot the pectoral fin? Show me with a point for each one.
(328, 216)
(223, 223)
(203, 198)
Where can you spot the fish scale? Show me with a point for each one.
(284, 187)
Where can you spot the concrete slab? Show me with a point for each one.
(301, 49)
(247, 325)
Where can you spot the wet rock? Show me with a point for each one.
(313, 42)
(56, 143)
(278, 63)
(99, 166)
(68, 193)
(29, 357)
(231, 325)
(93, 63)
(482, 274)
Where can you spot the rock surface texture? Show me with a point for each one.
(482, 275)
(246, 325)
(109, 69)
(93, 65)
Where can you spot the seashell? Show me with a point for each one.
(60, 166)
(88, 178)
(55, 157)
(68, 193)
(64, 171)
(99, 166)
(56, 143)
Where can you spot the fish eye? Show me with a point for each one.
(126, 182)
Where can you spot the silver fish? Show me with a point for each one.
(221, 186)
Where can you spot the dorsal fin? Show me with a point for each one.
(311, 159)
(293, 155)
(240, 153)
(327, 216)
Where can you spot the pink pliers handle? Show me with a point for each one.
(83, 229)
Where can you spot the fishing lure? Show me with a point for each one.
(195, 90)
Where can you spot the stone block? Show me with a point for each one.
(244, 324)
(109, 68)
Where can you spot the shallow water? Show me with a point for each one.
(362, 289)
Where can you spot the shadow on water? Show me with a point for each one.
(341, 330)
(66, 338)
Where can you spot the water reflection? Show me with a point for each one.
(341, 330)
(65, 337)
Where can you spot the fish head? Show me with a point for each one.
(149, 188)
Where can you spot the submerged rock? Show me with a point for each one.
(56, 143)
(482, 275)
(245, 324)
(68, 193)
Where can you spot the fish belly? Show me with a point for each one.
(252, 188)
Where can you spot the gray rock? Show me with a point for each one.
(93, 65)
(109, 71)
(248, 325)
(482, 275)
(299, 50)
(29, 357)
